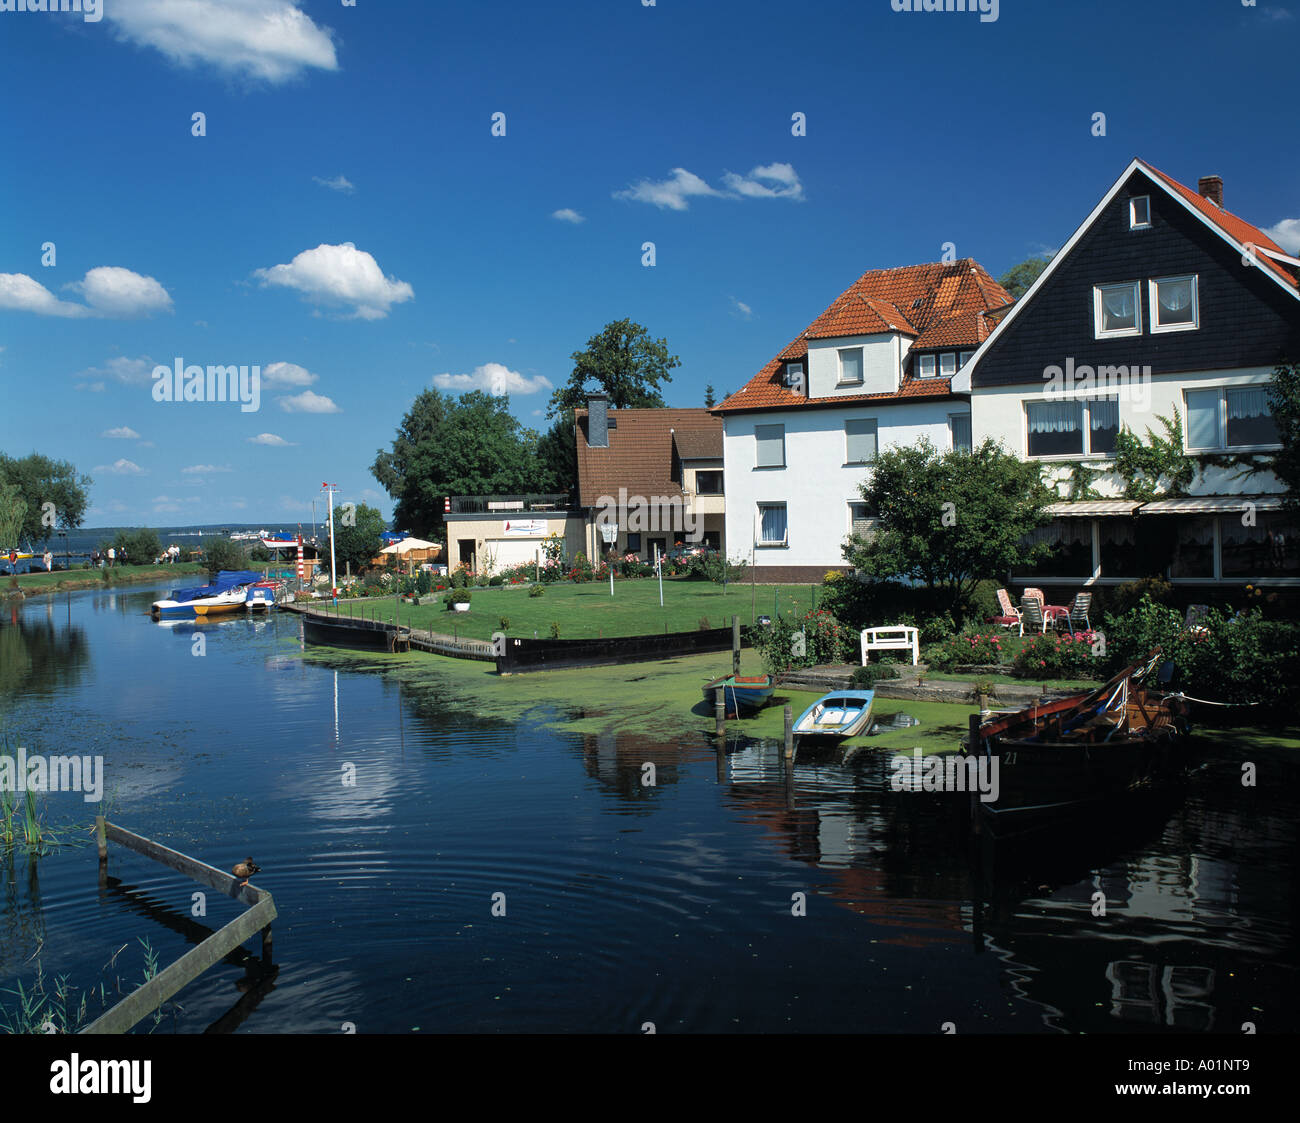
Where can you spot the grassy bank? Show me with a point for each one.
(660, 701)
(588, 611)
(30, 584)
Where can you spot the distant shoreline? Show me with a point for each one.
(72, 580)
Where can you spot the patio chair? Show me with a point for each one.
(1031, 614)
(1054, 614)
(1010, 617)
(1194, 622)
(1079, 613)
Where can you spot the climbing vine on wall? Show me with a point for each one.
(1155, 468)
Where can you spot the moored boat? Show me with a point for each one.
(262, 597)
(227, 593)
(1125, 737)
(839, 714)
(740, 692)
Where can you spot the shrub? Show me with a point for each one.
(555, 629)
(456, 596)
(537, 590)
(872, 673)
(424, 582)
(979, 647)
(704, 624)
(824, 640)
(496, 579)
(504, 623)
(460, 577)
(1127, 597)
(1057, 656)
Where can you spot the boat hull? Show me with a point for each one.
(740, 695)
(836, 716)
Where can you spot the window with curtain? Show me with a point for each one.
(851, 365)
(925, 366)
(1103, 424)
(1173, 304)
(1120, 555)
(1117, 310)
(1193, 548)
(959, 427)
(1054, 428)
(948, 364)
(1070, 541)
(771, 445)
(860, 440)
(1249, 419)
(771, 524)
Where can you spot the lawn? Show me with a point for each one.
(588, 611)
(62, 579)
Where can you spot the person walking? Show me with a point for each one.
(48, 559)
(112, 557)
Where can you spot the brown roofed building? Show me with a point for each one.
(654, 473)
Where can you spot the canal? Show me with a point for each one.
(721, 898)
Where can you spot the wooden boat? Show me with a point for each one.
(1124, 737)
(839, 714)
(740, 692)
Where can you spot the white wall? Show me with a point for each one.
(882, 364)
(999, 413)
(816, 485)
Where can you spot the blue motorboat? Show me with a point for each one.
(227, 593)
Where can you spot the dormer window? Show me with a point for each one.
(925, 366)
(948, 364)
(851, 366)
(794, 376)
(1139, 212)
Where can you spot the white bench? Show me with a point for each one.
(891, 639)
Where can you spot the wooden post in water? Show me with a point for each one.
(789, 733)
(100, 839)
(735, 645)
(719, 714)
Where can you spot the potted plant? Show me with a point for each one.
(457, 600)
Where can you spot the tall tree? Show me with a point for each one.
(622, 360)
(41, 481)
(1018, 278)
(950, 519)
(557, 456)
(470, 445)
(709, 399)
(359, 539)
(1284, 403)
(13, 512)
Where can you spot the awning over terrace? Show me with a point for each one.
(1093, 508)
(1212, 505)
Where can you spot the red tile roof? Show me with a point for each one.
(1236, 228)
(941, 305)
(640, 452)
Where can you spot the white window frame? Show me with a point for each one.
(952, 442)
(1097, 320)
(920, 363)
(964, 357)
(769, 467)
(758, 536)
(947, 357)
(791, 371)
(875, 421)
(861, 372)
(1154, 296)
(1222, 419)
(1133, 223)
(1085, 417)
(867, 518)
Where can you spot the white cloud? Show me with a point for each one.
(286, 376)
(121, 433)
(308, 402)
(120, 368)
(1286, 234)
(338, 183)
(495, 378)
(269, 439)
(741, 309)
(19, 293)
(340, 275)
(119, 293)
(121, 467)
(270, 40)
(194, 469)
(671, 193)
(768, 181)
(568, 214)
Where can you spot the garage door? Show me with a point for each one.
(512, 551)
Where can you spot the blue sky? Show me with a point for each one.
(350, 218)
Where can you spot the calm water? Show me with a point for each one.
(624, 904)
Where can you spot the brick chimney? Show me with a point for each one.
(1211, 187)
(598, 420)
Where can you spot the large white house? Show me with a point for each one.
(1162, 307)
(873, 371)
